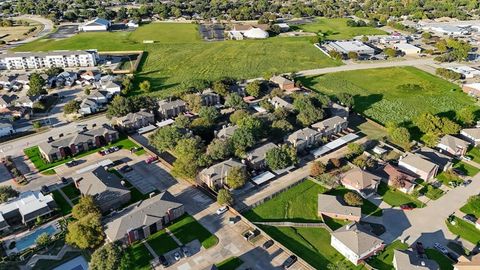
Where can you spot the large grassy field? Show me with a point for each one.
(390, 94)
(179, 59)
(339, 28)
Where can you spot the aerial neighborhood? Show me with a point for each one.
(240, 135)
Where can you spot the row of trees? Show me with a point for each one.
(448, 74)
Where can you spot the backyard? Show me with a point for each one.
(381, 96)
(339, 29)
(396, 198)
(179, 59)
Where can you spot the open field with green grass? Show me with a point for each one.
(187, 229)
(339, 28)
(384, 260)
(179, 58)
(395, 197)
(443, 261)
(465, 230)
(385, 95)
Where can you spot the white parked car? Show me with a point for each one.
(222, 210)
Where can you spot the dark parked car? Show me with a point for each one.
(64, 180)
(268, 244)
(459, 172)
(185, 251)
(126, 168)
(162, 260)
(50, 139)
(420, 248)
(71, 163)
(45, 190)
(289, 262)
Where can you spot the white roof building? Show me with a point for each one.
(97, 24)
(256, 33)
(351, 46)
(466, 71)
(407, 49)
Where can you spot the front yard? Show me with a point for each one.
(396, 198)
(384, 260)
(429, 190)
(472, 207)
(468, 169)
(465, 230)
(62, 203)
(187, 229)
(140, 256)
(161, 242)
(474, 154)
(443, 261)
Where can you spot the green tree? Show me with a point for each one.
(308, 113)
(145, 86)
(354, 149)
(182, 121)
(364, 39)
(429, 123)
(107, 257)
(224, 197)
(43, 240)
(235, 101)
(71, 107)
(127, 84)
(346, 99)
(390, 52)
(317, 168)
(281, 157)
(220, 88)
(236, 177)
(119, 106)
(87, 91)
(36, 83)
(219, 149)
(188, 152)
(86, 232)
(282, 125)
(210, 114)
(353, 55)
(353, 199)
(264, 103)
(401, 136)
(242, 139)
(253, 88)
(166, 138)
(237, 115)
(85, 206)
(426, 35)
(7, 192)
(54, 71)
(194, 102)
(450, 127)
(335, 55)
(251, 123)
(466, 116)
(430, 139)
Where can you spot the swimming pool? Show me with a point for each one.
(29, 239)
(78, 263)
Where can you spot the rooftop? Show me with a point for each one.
(357, 238)
(331, 204)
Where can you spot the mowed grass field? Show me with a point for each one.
(339, 28)
(397, 94)
(179, 58)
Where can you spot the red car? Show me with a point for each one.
(406, 207)
(151, 159)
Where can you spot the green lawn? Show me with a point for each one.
(180, 59)
(231, 263)
(161, 242)
(471, 208)
(443, 261)
(312, 244)
(187, 229)
(65, 208)
(381, 94)
(395, 197)
(140, 256)
(465, 230)
(430, 191)
(474, 154)
(384, 260)
(447, 177)
(466, 168)
(71, 191)
(368, 208)
(339, 28)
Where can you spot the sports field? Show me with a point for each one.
(394, 94)
(339, 29)
(179, 59)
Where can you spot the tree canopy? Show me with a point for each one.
(107, 257)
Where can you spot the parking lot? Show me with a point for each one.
(64, 31)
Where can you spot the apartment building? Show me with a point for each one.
(39, 60)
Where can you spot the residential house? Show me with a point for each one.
(100, 97)
(443, 161)
(453, 145)
(356, 243)
(363, 182)
(134, 121)
(465, 263)
(284, 83)
(90, 75)
(66, 78)
(226, 132)
(88, 106)
(256, 157)
(25, 209)
(112, 88)
(143, 219)
(472, 135)
(169, 109)
(330, 206)
(77, 143)
(331, 126)
(279, 102)
(215, 175)
(418, 166)
(6, 81)
(210, 98)
(304, 138)
(399, 178)
(410, 260)
(95, 25)
(6, 128)
(335, 109)
(105, 188)
(27, 101)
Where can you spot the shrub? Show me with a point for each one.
(353, 199)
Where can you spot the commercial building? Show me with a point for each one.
(44, 60)
(407, 49)
(98, 24)
(346, 47)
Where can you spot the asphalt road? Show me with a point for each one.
(47, 28)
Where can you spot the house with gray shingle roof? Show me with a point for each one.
(215, 175)
(355, 242)
(134, 121)
(105, 188)
(279, 102)
(304, 138)
(410, 260)
(82, 141)
(169, 109)
(453, 145)
(143, 219)
(331, 126)
(330, 206)
(418, 166)
(361, 181)
(472, 135)
(226, 132)
(256, 157)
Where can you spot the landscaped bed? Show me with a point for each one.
(397, 198)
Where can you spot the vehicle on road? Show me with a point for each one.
(289, 261)
(162, 260)
(248, 235)
(177, 256)
(406, 207)
(64, 180)
(151, 159)
(72, 163)
(267, 244)
(466, 183)
(102, 152)
(185, 251)
(440, 248)
(222, 210)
